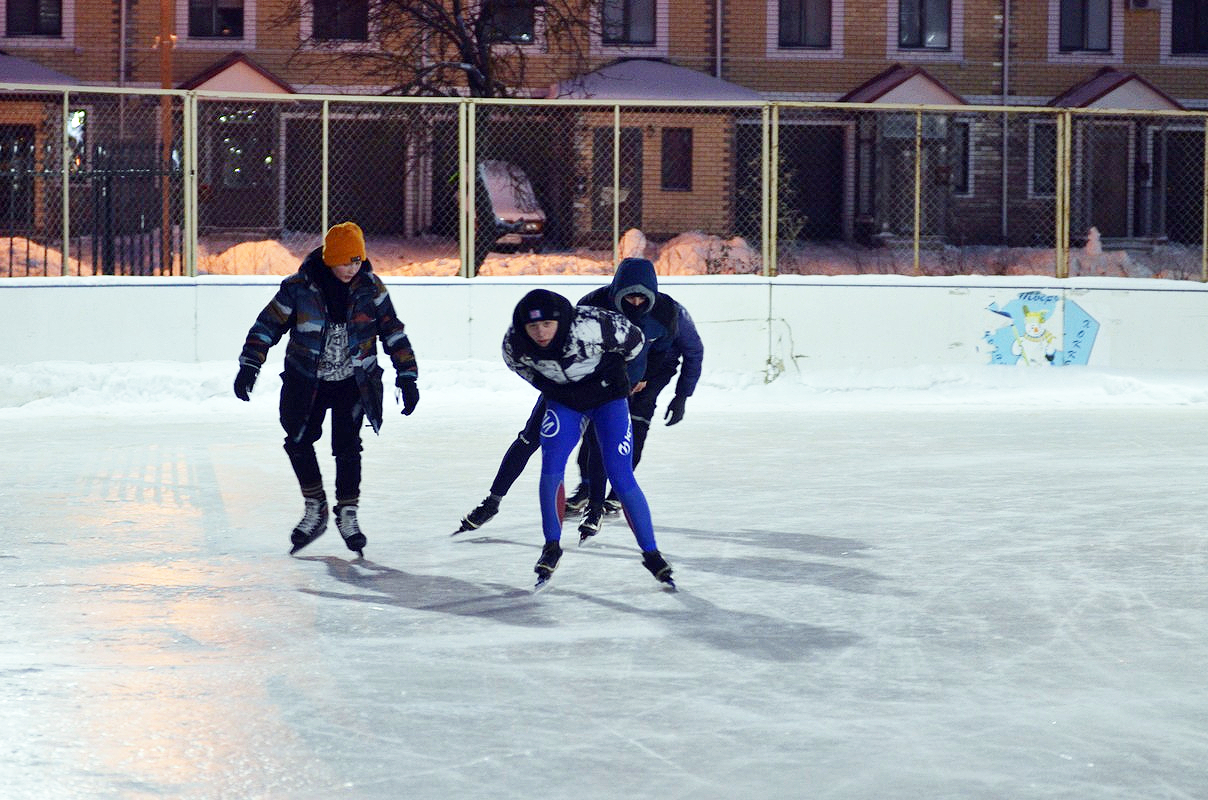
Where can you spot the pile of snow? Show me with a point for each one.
(696, 253)
(22, 258)
(690, 253)
(267, 257)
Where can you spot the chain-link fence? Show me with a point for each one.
(128, 182)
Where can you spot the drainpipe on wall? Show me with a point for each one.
(717, 11)
(1006, 85)
(121, 70)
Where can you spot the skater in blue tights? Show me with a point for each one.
(578, 358)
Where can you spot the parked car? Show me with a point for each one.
(518, 217)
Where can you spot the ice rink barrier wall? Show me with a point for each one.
(750, 324)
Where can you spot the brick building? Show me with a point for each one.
(840, 169)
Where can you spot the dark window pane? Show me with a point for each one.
(805, 23)
(677, 159)
(924, 24)
(628, 22)
(1189, 26)
(341, 19)
(511, 21)
(216, 18)
(1044, 159)
(34, 18)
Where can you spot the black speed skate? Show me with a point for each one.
(547, 563)
(350, 529)
(612, 504)
(577, 501)
(311, 526)
(590, 526)
(480, 516)
(653, 560)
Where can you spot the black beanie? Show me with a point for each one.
(540, 305)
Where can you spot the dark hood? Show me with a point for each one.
(634, 276)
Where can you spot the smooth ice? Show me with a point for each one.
(986, 583)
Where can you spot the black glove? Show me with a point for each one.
(675, 409)
(245, 380)
(410, 392)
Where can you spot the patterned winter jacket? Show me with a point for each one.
(299, 308)
(589, 370)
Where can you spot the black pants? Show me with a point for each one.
(591, 462)
(527, 442)
(347, 416)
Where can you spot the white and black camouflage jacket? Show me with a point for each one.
(588, 370)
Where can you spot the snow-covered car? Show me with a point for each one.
(519, 219)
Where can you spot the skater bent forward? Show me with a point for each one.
(576, 358)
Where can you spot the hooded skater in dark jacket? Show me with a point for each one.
(670, 335)
(577, 359)
(335, 310)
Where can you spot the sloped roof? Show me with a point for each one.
(1110, 88)
(900, 84)
(20, 70)
(649, 79)
(237, 73)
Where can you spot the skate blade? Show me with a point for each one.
(541, 585)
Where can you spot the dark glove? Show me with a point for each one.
(245, 380)
(675, 409)
(410, 392)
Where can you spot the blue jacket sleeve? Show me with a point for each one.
(687, 340)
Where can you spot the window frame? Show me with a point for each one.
(37, 9)
(921, 9)
(311, 15)
(805, 17)
(773, 49)
(955, 52)
(1033, 126)
(214, 7)
(534, 18)
(627, 42)
(675, 168)
(965, 164)
(64, 39)
(223, 43)
(1199, 13)
(1065, 10)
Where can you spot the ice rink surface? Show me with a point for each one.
(928, 584)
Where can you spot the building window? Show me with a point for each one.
(1189, 27)
(33, 18)
(961, 157)
(629, 22)
(1086, 25)
(216, 18)
(1042, 159)
(924, 24)
(677, 159)
(341, 19)
(805, 23)
(512, 21)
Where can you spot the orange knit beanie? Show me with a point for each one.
(344, 244)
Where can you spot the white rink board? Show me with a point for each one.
(792, 322)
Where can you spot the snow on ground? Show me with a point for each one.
(690, 253)
(928, 582)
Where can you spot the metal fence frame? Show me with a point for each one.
(467, 112)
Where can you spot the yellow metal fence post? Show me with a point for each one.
(616, 184)
(765, 190)
(65, 156)
(918, 185)
(1204, 220)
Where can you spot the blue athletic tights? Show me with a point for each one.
(560, 431)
